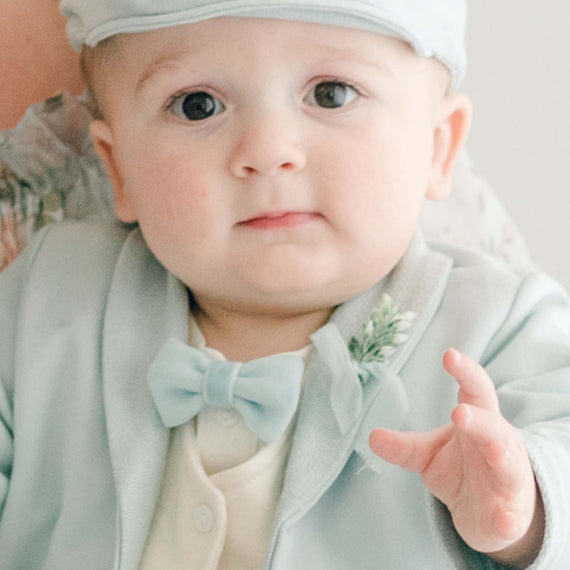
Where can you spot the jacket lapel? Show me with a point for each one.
(137, 321)
(324, 438)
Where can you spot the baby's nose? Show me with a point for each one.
(267, 146)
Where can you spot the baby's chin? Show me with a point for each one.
(266, 305)
(285, 302)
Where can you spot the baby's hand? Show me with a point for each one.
(478, 467)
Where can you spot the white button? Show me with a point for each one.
(203, 518)
(227, 417)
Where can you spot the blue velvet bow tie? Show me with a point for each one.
(183, 380)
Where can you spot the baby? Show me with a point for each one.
(246, 373)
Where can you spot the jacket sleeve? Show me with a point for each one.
(6, 447)
(528, 358)
(529, 361)
(12, 289)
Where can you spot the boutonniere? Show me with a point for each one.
(385, 329)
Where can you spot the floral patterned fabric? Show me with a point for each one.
(49, 172)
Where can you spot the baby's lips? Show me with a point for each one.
(279, 219)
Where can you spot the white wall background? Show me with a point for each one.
(519, 81)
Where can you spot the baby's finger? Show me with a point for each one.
(410, 450)
(476, 387)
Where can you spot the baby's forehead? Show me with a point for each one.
(228, 47)
(264, 37)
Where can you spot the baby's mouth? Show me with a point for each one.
(279, 219)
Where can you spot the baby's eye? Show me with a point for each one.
(332, 94)
(195, 106)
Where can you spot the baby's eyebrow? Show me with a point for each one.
(166, 62)
(334, 54)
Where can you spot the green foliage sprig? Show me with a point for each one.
(382, 333)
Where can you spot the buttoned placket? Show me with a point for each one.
(193, 519)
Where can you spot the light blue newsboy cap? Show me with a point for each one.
(434, 28)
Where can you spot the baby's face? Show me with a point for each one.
(271, 164)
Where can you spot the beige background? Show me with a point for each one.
(519, 82)
(36, 60)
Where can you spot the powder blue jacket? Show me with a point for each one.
(86, 308)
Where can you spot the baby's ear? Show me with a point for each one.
(451, 129)
(102, 137)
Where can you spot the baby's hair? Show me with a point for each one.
(93, 59)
